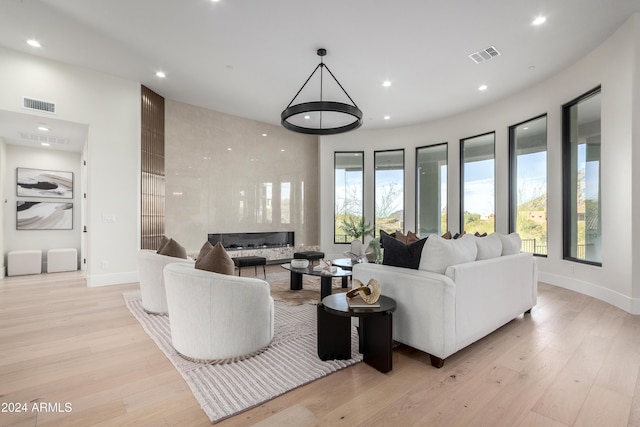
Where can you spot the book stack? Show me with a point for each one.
(358, 302)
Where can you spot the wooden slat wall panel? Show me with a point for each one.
(153, 181)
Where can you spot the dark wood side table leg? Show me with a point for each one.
(345, 281)
(296, 281)
(375, 341)
(325, 286)
(334, 335)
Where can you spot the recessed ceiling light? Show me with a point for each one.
(264, 134)
(43, 128)
(228, 148)
(387, 117)
(307, 117)
(482, 87)
(282, 149)
(215, 1)
(44, 144)
(539, 20)
(33, 43)
(161, 74)
(386, 83)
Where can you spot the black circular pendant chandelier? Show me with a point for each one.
(321, 117)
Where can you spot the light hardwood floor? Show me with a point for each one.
(573, 361)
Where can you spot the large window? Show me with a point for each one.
(581, 180)
(348, 190)
(528, 183)
(389, 190)
(431, 190)
(478, 184)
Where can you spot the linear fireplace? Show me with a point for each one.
(264, 240)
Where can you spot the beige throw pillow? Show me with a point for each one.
(174, 249)
(204, 250)
(216, 260)
(163, 241)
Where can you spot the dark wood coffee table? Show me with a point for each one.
(325, 279)
(334, 331)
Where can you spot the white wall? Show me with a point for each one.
(17, 156)
(612, 65)
(110, 106)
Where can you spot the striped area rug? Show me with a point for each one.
(225, 390)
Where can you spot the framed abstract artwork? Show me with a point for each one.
(44, 183)
(44, 216)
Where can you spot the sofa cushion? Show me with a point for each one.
(174, 249)
(397, 254)
(489, 246)
(511, 243)
(216, 260)
(439, 253)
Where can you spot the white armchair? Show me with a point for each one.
(217, 318)
(150, 276)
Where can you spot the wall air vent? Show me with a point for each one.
(26, 136)
(484, 55)
(38, 105)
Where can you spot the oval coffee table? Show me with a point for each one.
(334, 330)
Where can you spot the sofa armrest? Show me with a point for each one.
(425, 314)
(492, 292)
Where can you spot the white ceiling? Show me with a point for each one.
(249, 58)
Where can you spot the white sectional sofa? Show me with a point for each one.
(444, 310)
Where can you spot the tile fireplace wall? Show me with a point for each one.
(224, 176)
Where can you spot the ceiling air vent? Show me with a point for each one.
(484, 55)
(38, 105)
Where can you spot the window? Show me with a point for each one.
(528, 184)
(581, 181)
(431, 190)
(389, 190)
(348, 190)
(478, 184)
(285, 202)
(265, 198)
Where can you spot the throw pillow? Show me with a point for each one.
(511, 243)
(398, 254)
(439, 253)
(174, 249)
(407, 239)
(400, 236)
(163, 241)
(489, 247)
(204, 250)
(216, 260)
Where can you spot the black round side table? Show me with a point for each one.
(375, 331)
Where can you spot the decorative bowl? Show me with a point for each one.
(299, 263)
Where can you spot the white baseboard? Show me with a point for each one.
(623, 302)
(96, 280)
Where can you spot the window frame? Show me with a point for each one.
(375, 187)
(513, 187)
(417, 186)
(335, 153)
(566, 176)
(462, 141)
